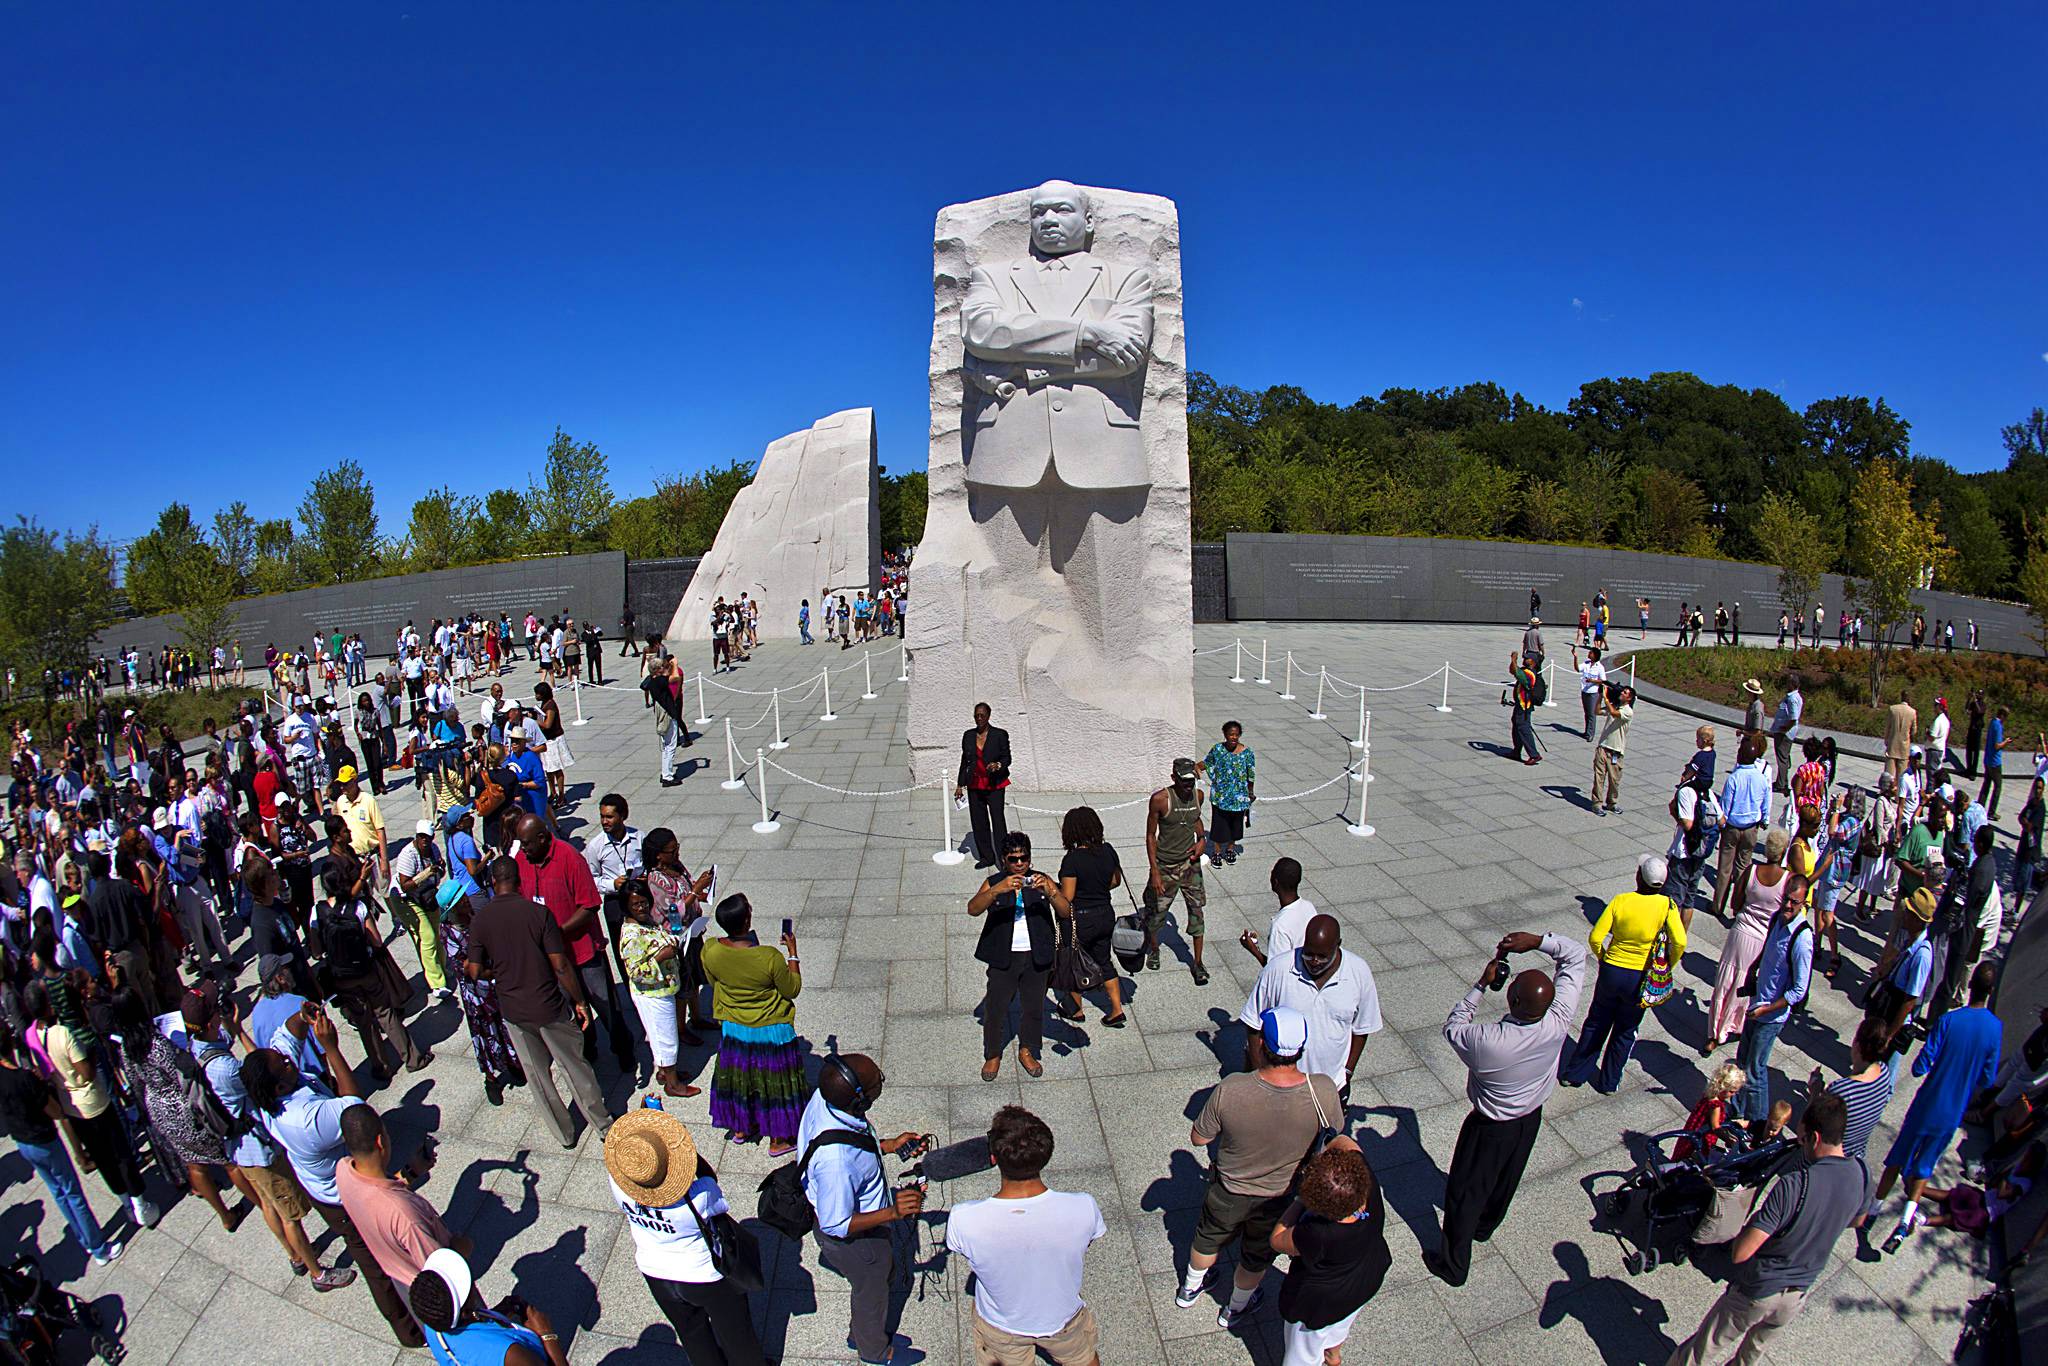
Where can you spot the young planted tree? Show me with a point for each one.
(55, 596)
(338, 526)
(2033, 586)
(572, 501)
(1794, 540)
(1895, 551)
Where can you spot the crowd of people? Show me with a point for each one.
(137, 1032)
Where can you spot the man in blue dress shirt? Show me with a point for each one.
(1745, 810)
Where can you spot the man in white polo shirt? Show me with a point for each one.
(1026, 1246)
(1332, 988)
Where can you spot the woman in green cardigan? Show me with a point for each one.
(758, 1086)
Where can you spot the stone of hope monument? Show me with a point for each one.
(1053, 581)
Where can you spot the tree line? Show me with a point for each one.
(1668, 463)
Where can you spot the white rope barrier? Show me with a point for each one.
(794, 776)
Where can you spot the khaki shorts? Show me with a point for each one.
(278, 1189)
(1250, 1219)
(1186, 884)
(1073, 1345)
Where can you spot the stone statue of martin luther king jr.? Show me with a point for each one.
(1056, 348)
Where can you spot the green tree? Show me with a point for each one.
(168, 565)
(1984, 559)
(636, 528)
(234, 542)
(1792, 538)
(2033, 586)
(903, 498)
(571, 503)
(1671, 512)
(442, 532)
(55, 596)
(1551, 512)
(704, 499)
(277, 567)
(208, 618)
(506, 528)
(1854, 431)
(1896, 550)
(337, 539)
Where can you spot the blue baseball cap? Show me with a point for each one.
(1285, 1031)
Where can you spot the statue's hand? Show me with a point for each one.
(1115, 343)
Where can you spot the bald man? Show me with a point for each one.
(1334, 991)
(1511, 1065)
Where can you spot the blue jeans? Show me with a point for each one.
(53, 1164)
(1610, 1033)
(1753, 1056)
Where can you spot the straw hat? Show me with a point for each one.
(1753, 688)
(1920, 905)
(652, 1157)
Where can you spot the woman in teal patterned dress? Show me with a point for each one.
(1230, 769)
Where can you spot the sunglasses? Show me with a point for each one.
(1016, 858)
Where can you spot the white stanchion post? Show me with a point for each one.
(1322, 677)
(1364, 774)
(767, 825)
(1361, 829)
(903, 670)
(1550, 686)
(1364, 719)
(576, 686)
(1631, 671)
(868, 672)
(776, 702)
(703, 712)
(829, 715)
(1262, 678)
(1237, 669)
(948, 854)
(1287, 688)
(1445, 705)
(732, 781)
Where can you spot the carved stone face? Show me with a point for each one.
(1060, 218)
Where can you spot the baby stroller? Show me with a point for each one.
(34, 1312)
(1656, 1208)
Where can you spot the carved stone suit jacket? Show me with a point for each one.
(1071, 409)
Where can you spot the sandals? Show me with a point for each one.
(1115, 1021)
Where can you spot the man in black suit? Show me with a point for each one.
(984, 773)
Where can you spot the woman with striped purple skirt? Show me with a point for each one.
(757, 1089)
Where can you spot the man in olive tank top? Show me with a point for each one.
(1174, 831)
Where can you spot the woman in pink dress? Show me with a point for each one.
(1757, 899)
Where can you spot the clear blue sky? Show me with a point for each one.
(245, 241)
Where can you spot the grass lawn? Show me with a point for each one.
(181, 711)
(1837, 684)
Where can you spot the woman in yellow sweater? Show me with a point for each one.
(1622, 939)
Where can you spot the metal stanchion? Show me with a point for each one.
(1550, 688)
(1322, 677)
(776, 702)
(903, 670)
(1237, 669)
(732, 781)
(948, 854)
(1287, 688)
(767, 824)
(868, 672)
(829, 715)
(1364, 720)
(1262, 662)
(576, 686)
(703, 712)
(1445, 705)
(1360, 828)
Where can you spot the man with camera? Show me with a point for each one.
(852, 1202)
(1511, 1065)
(1618, 705)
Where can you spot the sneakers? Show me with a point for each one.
(1226, 1317)
(1199, 973)
(110, 1252)
(1908, 1221)
(1186, 1298)
(1152, 960)
(333, 1278)
(145, 1214)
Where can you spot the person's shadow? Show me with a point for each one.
(492, 1223)
(1409, 1177)
(1567, 792)
(569, 1293)
(1625, 1324)
(1489, 747)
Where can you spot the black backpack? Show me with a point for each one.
(346, 944)
(783, 1206)
(216, 831)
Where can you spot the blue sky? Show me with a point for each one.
(243, 242)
